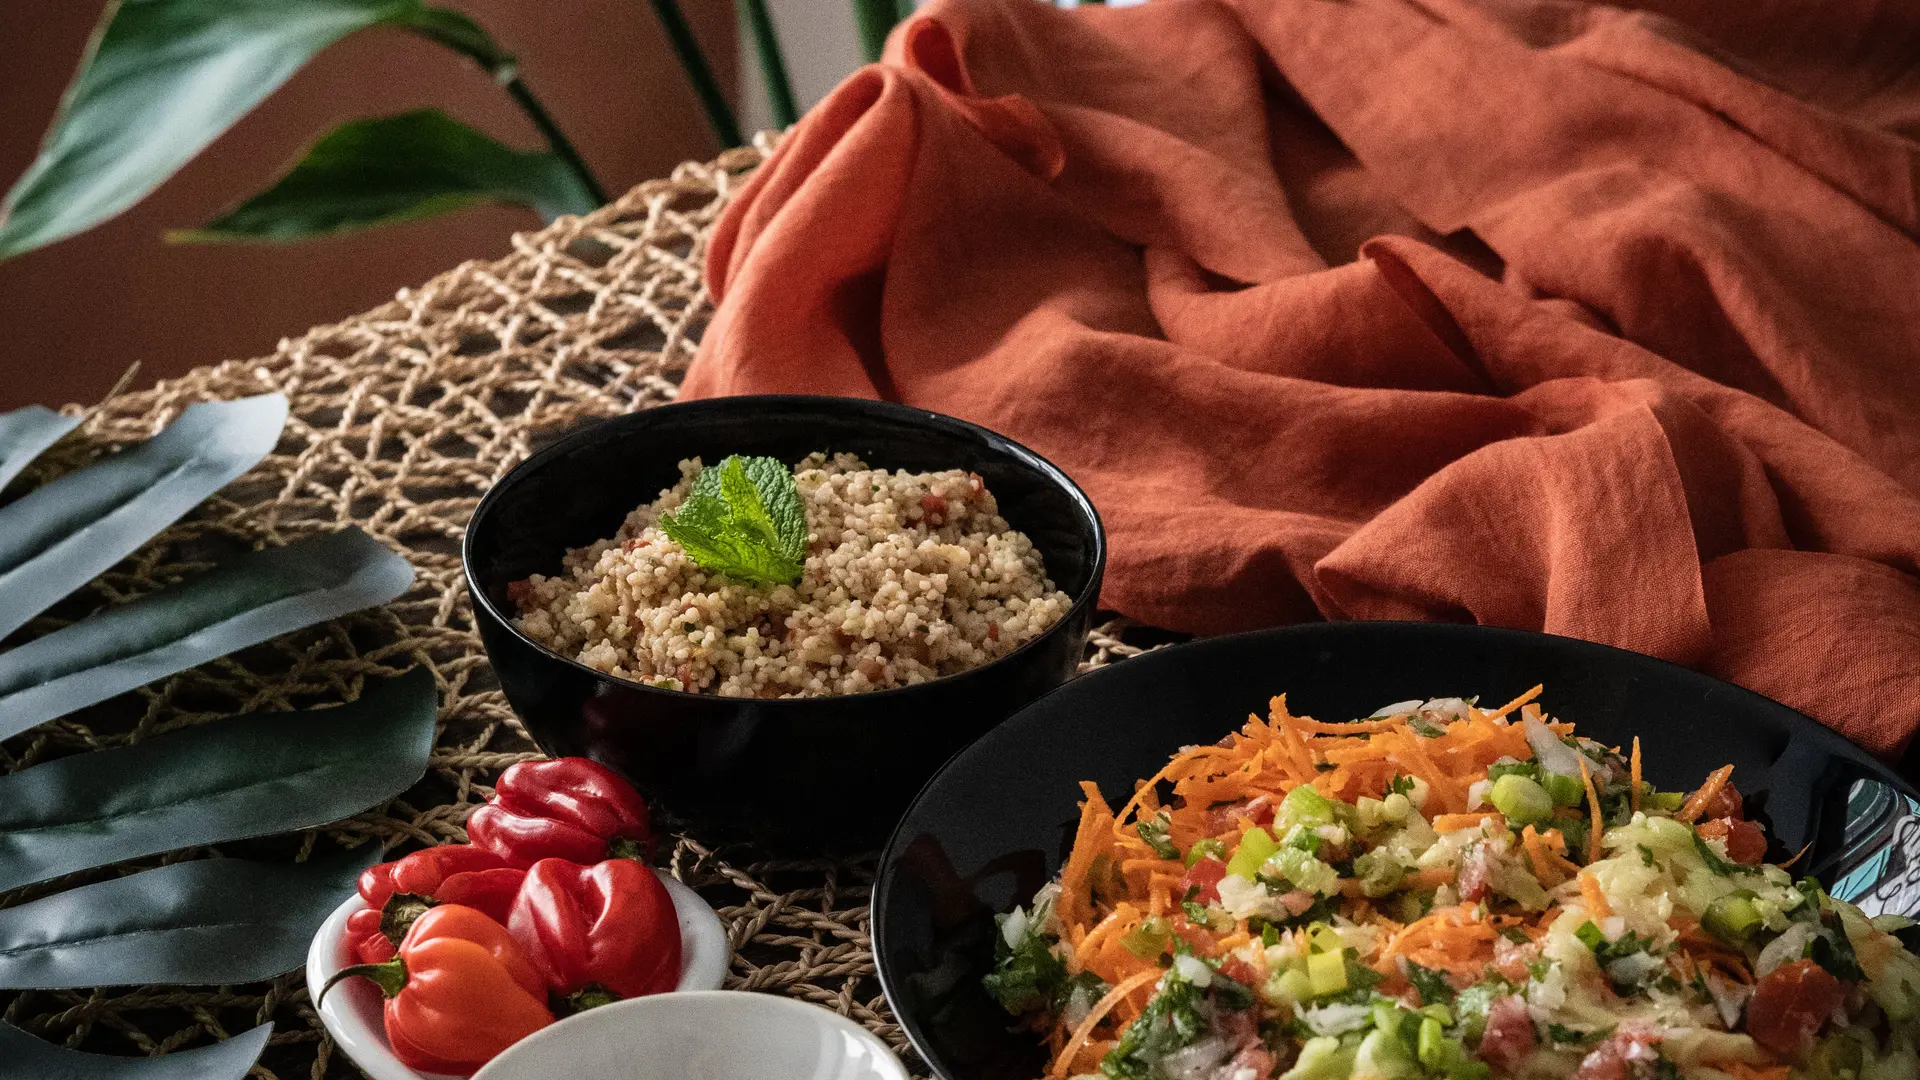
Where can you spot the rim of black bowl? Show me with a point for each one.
(1087, 595)
(883, 880)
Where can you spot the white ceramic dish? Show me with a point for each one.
(351, 1012)
(721, 1035)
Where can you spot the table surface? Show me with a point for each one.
(401, 418)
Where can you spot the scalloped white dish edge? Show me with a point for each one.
(352, 1013)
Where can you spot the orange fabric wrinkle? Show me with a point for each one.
(1572, 318)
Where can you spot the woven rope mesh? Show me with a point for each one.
(401, 419)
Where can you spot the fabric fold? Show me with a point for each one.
(1526, 312)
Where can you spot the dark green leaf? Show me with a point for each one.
(1433, 985)
(60, 536)
(163, 78)
(686, 49)
(249, 776)
(398, 168)
(773, 64)
(25, 434)
(253, 597)
(23, 1057)
(875, 19)
(197, 923)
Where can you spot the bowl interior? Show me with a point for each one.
(725, 1035)
(579, 490)
(995, 823)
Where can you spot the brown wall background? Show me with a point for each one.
(74, 315)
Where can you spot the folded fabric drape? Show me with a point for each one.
(1597, 321)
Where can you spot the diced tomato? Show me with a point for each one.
(1203, 876)
(1726, 803)
(1239, 971)
(1790, 1004)
(1509, 1036)
(1624, 1056)
(1255, 811)
(1201, 938)
(934, 508)
(1746, 842)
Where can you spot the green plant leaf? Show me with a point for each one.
(875, 19)
(25, 434)
(397, 168)
(23, 1056)
(200, 923)
(249, 599)
(61, 535)
(163, 78)
(773, 64)
(249, 776)
(686, 49)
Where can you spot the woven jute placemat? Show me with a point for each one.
(401, 419)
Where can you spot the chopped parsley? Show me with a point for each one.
(1433, 985)
(1154, 831)
(1174, 1020)
(1027, 976)
(1561, 1035)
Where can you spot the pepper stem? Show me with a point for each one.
(397, 917)
(390, 976)
(621, 847)
(590, 996)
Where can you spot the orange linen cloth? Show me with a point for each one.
(1530, 313)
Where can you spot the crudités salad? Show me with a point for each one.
(1445, 891)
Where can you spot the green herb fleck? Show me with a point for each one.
(743, 519)
(1566, 1036)
(1154, 831)
(1433, 985)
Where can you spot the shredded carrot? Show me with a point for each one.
(1740, 1070)
(1545, 866)
(1591, 895)
(1452, 822)
(1696, 803)
(1635, 768)
(1598, 824)
(1517, 702)
(1796, 856)
(1085, 1031)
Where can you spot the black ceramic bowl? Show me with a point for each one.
(995, 823)
(797, 773)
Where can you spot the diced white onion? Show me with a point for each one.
(1015, 927)
(1192, 970)
(1787, 947)
(1336, 1019)
(1395, 709)
(1552, 754)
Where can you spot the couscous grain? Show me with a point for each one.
(909, 576)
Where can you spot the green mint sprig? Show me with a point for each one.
(743, 519)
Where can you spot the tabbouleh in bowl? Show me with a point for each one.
(908, 576)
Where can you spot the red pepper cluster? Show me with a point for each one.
(551, 908)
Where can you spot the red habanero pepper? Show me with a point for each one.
(459, 992)
(397, 892)
(568, 808)
(598, 931)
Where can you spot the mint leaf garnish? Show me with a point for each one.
(743, 519)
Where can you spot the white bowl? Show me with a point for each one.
(718, 1035)
(352, 1012)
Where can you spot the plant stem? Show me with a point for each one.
(464, 36)
(875, 19)
(773, 66)
(694, 63)
(557, 139)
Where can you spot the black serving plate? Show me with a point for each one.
(799, 774)
(995, 824)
